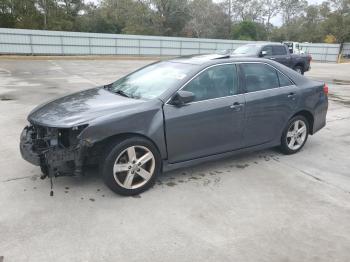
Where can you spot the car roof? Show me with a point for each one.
(205, 60)
(265, 43)
(211, 59)
(198, 59)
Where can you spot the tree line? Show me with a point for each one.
(226, 19)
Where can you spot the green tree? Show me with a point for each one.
(291, 9)
(311, 25)
(248, 10)
(249, 30)
(208, 20)
(170, 16)
(338, 22)
(19, 14)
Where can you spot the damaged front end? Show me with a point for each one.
(58, 151)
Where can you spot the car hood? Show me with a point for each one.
(79, 108)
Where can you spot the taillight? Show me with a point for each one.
(309, 57)
(325, 89)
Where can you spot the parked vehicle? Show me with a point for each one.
(294, 48)
(277, 52)
(174, 114)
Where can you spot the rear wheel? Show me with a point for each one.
(295, 135)
(299, 69)
(131, 166)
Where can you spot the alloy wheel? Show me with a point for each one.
(134, 167)
(296, 134)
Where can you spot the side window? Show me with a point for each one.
(279, 50)
(217, 81)
(268, 50)
(284, 81)
(259, 77)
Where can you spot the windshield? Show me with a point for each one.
(247, 50)
(151, 81)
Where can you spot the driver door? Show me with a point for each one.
(213, 122)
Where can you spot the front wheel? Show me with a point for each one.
(295, 135)
(131, 166)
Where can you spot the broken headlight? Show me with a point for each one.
(69, 136)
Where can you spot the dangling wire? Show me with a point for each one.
(51, 192)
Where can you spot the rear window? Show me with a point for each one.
(259, 77)
(284, 81)
(279, 50)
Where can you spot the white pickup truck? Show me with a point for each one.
(294, 48)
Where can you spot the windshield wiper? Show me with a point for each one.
(108, 87)
(122, 93)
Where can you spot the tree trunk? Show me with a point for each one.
(340, 52)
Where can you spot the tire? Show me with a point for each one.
(299, 69)
(299, 135)
(130, 166)
(45, 171)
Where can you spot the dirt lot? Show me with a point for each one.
(261, 206)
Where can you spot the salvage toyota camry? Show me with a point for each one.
(173, 114)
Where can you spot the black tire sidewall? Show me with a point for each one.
(284, 146)
(113, 152)
(301, 69)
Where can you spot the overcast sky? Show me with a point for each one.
(277, 21)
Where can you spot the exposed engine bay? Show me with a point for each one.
(58, 151)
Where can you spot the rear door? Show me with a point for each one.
(271, 98)
(211, 124)
(280, 55)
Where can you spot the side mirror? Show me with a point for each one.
(182, 97)
(263, 53)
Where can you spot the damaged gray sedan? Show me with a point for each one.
(174, 114)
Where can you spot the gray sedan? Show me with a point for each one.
(173, 114)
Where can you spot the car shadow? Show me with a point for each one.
(204, 174)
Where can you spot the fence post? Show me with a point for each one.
(161, 47)
(31, 44)
(90, 45)
(116, 46)
(139, 41)
(62, 49)
(180, 47)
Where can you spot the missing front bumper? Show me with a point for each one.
(54, 161)
(26, 145)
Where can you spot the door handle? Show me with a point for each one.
(236, 106)
(272, 58)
